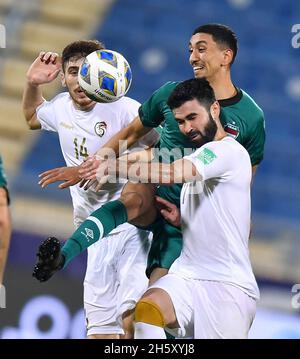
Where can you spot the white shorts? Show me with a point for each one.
(208, 309)
(115, 279)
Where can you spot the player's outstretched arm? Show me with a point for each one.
(43, 70)
(180, 171)
(254, 169)
(68, 175)
(131, 134)
(5, 231)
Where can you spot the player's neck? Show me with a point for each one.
(223, 87)
(220, 134)
(85, 108)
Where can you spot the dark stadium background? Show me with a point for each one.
(153, 36)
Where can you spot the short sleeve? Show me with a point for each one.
(129, 109)
(3, 180)
(46, 116)
(151, 111)
(215, 160)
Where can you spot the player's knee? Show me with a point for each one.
(132, 199)
(147, 311)
(128, 326)
(135, 205)
(139, 204)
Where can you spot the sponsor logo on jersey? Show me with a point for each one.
(232, 130)
(66, 125)
(100, 128)
(89, 234)
(206, 156)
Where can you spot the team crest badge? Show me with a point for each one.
(100, 128)
(232, 130)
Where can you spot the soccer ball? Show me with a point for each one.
(105, 76)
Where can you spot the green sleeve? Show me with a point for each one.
(256, 142)
(3, 181)
(151, 111)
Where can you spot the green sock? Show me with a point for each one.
(98, 225)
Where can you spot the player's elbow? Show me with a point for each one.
(5, 218)
(32, 122)
(5, 232)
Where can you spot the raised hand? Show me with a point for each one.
(69, 176)
(44, 69)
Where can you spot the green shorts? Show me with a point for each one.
(167, 239)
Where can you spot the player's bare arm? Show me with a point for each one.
(180, 171)
(5, 231)
(132, 133)
(72, 175)
(43, 70)
(254, 169)
(68, 175)
(139, 156)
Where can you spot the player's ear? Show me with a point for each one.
(227, 57)
(215, 110)
(63, 79)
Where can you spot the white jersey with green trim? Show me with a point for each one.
(216, 217)
(82, 133)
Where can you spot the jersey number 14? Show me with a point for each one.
(82, 150)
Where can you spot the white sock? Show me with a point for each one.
(148, 331)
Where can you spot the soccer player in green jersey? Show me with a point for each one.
(213, 48)
(5, 222)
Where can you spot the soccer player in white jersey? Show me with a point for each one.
(115, 276)
(210, 291)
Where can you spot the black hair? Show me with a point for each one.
(189, 90)
(79, 49)
(222, 35)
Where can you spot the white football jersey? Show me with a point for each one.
(82, 133)
(216, 217)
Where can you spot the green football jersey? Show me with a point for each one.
(244, 120)
(3, 181)
(240, 116)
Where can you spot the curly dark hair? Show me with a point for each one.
(78, 49)
(189, 90)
